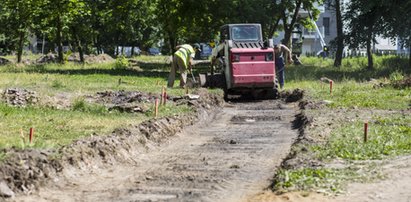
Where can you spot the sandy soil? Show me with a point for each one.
(230, 158)
(396, 187)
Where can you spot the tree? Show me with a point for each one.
(198, 21)
(399, 24)
(291, 16)
(340, 34)
(17, 17)
(366, 21)
(170, 20)
(58, 16)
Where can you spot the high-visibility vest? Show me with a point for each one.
(185, 52)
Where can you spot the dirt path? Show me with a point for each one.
(230, 158)
(396, 187)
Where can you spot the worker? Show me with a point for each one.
(183, 61)
(280, 51)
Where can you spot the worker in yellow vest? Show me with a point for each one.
(183, 61)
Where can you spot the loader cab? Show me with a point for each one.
(241, 32)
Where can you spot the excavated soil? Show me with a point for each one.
(19, 97)
(215, 154)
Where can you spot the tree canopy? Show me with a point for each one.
(94, 26)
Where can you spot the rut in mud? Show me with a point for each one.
(230, 157)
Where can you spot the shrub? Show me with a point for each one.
(121, 63)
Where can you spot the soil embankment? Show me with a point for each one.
(229, 155)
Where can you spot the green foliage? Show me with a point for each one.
(121, 63)
(389, 136)
(396, 76)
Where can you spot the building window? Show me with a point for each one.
(326, 24)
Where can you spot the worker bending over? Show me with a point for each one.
(183, 61)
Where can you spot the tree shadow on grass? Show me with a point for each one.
(90, 71)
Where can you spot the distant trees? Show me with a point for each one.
(398, 23)
(100, 25)
(365, 20)
(368, 19)
(18, 20)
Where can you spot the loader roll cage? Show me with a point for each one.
(241, 32)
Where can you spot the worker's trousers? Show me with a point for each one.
(177, 63)
(280, 67)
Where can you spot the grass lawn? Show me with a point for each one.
(354, 88)
(55, 127)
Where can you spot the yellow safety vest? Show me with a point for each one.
(185, 52)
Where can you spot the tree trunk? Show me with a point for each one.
(79, 45)
(369, 53)
(132, 51)
(340, 35)
(289, 28)
(409, 57)
(59, 39)
(20, 47)
(97, 45)
(172, 41)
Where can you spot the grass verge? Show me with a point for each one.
(356, 89)
(54, 128)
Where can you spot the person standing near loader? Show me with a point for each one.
(183, 61)
(280, 51)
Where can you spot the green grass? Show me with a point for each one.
(82, 79)
(310, 179)
(59, 127)
(387, 137)
(389, 134)
(325, 180)
(351, 87)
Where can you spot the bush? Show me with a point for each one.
(121, 63)
(83, 106)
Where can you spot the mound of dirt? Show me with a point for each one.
(124, 101)
(102, 58)
(23, 171)
(292, 96)
(122, 97)
(49, 58)
(20, 97)
(200, 98)
(4, 61)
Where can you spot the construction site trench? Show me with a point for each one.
(225, 153)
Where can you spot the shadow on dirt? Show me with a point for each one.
(286, 96)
